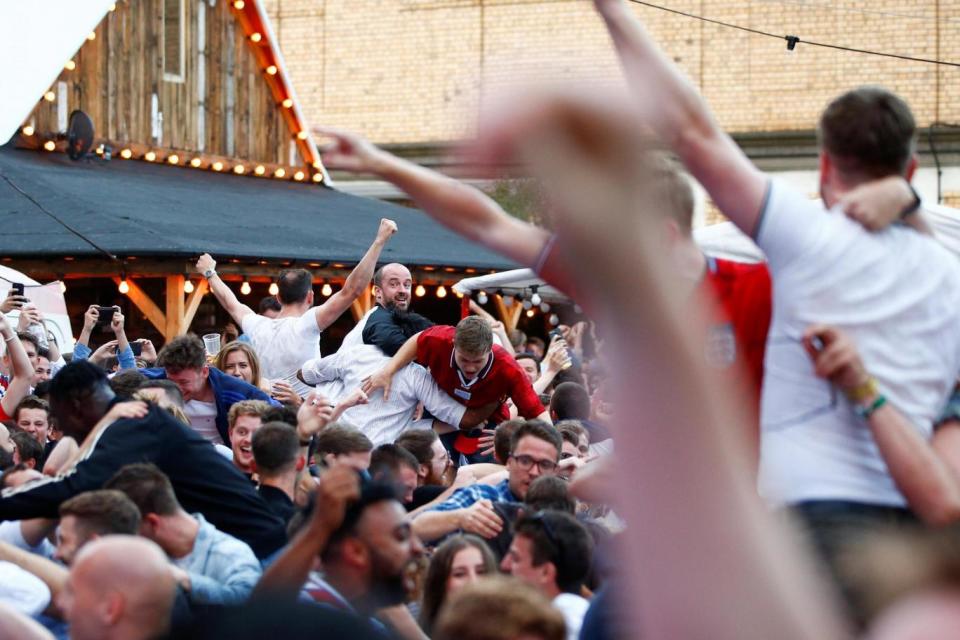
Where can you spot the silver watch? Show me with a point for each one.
(209, 273)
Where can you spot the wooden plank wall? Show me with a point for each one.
(118, 72)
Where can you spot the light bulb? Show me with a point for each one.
(239, 5)
(217, 166)
(239, 169)
(260, 170)
(287, 103)
(318, 177)
(255, 37)
(530, 313)
(196, 162)
(245, 288)
(527, 304)
(279, 173)
(272, 70)
(302, 135)
(545, 307)
(326, 290)
(126, 154)
(173, 159)
(298, 176)
(63, 287)
(536, 299)
(554, 320)
(188, 286)
(482, 297)
(49, 145)
(124, 287)
(274, 289)
(27, 130)
(150, 156)
(49, 96)
(420, 291)
(70, 66)
(92, 35)
(441, 291)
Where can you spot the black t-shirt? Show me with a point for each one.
(203, 480)
(423, 495)
(278, 501)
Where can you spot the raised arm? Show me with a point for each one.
(224, 295)
(671, 106)
(285, 577)
(677, 439)
(22, 369)
(925, 478)
(356, 283)
(455, 205)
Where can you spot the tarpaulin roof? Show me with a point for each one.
(53, 206)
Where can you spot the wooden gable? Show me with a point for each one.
(181, 80)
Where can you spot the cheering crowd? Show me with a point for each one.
(724, 451)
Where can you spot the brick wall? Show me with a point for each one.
(404, 71)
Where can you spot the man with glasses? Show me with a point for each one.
(534, 452)
(552, 552)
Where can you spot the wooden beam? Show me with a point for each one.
(502, 312)
(515, 312)
(193, 303)
(174, 325)
(142, 301)
(363, 304)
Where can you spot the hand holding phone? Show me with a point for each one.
(105, 315)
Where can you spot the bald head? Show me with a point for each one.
(119, 587)
(391, 286)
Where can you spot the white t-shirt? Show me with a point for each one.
(203, 419)
(283, 344)
(382, 421)
(23, 591)
(12, 534)
(896, 293)
(573, 608)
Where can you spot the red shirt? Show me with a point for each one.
(500, 379)
(744, 294)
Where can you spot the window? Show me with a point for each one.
(173, 40)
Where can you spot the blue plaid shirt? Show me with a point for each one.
(467, 496)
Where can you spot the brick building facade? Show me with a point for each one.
(416, 71)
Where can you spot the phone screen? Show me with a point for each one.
(137, 348)
(17, 288)
(105, 314)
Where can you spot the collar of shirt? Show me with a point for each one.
(466, 384)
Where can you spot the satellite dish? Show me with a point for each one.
(79, 135)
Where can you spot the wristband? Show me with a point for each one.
(866, 412)
(913, 206)
(863, 391)
(10, 338)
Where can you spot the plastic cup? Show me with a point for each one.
(212, 343)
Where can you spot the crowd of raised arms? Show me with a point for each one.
(723, 450)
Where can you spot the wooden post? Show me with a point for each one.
(174, 325)
(363, 304)
(508, 316)
(142, 301)
(193, 302)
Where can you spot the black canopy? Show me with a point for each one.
(136, 208)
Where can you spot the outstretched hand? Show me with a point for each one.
(347, 151)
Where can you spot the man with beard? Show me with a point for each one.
(384, 326)
(361, 535)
